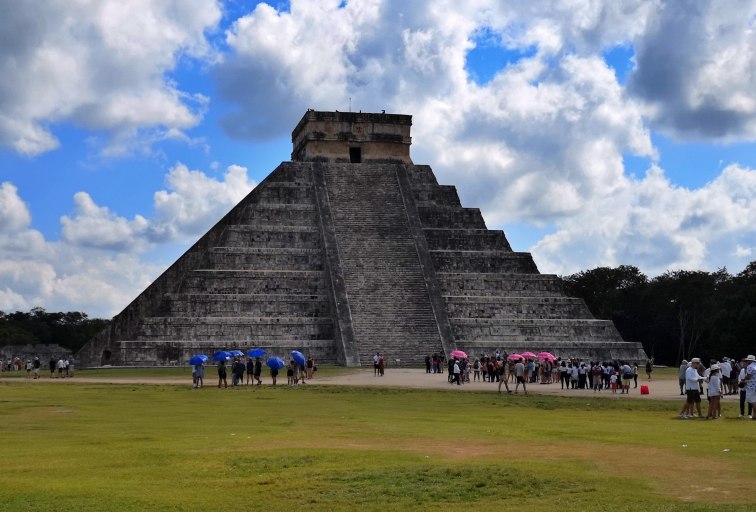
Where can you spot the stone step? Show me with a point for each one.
(249, 258)
(439, 195)
(421, 174)
(451, 217)
(455, 284)
(280, 213)
(466, 240)
(286, 192)
(179, 351)
(530, 329)
(254, 281)
(517, 307)
(483, 262)
(239, 235)
(235, 328)
(594, 350)
(208, 304)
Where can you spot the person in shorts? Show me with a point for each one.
(692, 391)
(520, 376)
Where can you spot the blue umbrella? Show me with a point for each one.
(298, 357)
(198, 359)
(221, 356)
(275, 362)
(236, 353)
(256, 352)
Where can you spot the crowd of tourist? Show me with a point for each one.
(59, 368)
(251, 367)
(721, 378)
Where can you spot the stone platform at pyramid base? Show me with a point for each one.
(587, 351)
(178, 352)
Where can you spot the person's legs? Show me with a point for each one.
(742, 402)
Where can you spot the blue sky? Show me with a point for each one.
(594, 134)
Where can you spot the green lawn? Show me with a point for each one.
(159, 447)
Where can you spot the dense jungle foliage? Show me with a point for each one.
(69, 330)
(679, 314)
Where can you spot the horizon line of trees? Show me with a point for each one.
(71, 330)
(676, 315)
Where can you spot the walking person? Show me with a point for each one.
(649, 367)
(681, 376)
(456, 369)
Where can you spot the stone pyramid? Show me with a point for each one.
(347, 250)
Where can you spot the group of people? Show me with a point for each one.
(572, 373)
(59, 368)
(252, 368)
(728, 377)
(379, 365)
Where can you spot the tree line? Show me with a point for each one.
(69, 330)
(677, 315)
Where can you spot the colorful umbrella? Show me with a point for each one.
(256, 352)
(529, 355)
(236, 353)
(298, 357)
(198, 359)
(275, 362)
(546, 356)
(458, 354)
(221, 355)
(514, 357)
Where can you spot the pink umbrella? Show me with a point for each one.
(546, 356)
(458, 353)
(514, 357)
(529, 355)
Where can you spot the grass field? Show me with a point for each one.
(166, 447)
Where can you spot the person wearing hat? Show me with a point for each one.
(750, 380)
(741, 385)
(714, 392)
(692, 392)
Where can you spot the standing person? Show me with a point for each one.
(741, 386)
(681, 376)
(627, 376)
(381, 365)
(274, 375)
(61, 366)
(28, 369)
(290, 373)
(520, 376)
(597, 372)
(199, 373)
(649, 367)
(635, 375)
(428, 363)
(714, 392)
(376, 357)
(456, 371)
(750, 381)
(310, 367)
(258, 370)
(692, 391)
(53, 364)
(35, 367)
(250, 370)
(476, 371)
(564, 376)
(222, 374)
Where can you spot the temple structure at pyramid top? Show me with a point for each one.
(347, 250)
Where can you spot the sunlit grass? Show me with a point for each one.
(163, 447)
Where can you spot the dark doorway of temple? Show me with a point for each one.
(355, 155)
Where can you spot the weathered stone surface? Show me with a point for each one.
(341, 259)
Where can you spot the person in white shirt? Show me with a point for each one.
(520, 376)
(714, 392)
(725, 369)
(741, 385)
(692, 392)
(750, 381)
